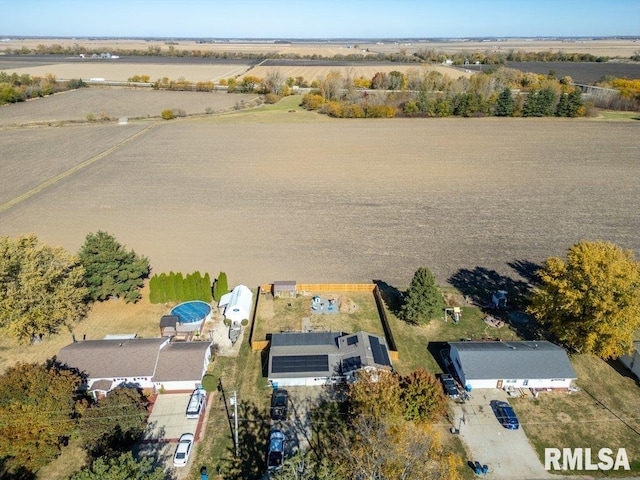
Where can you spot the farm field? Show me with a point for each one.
(115, 70)
(196, 70)
(273, 194)
(115, 102)
(598, 47)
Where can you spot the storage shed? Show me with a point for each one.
(284, 288)
(237, 304)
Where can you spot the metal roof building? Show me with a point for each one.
(318, 358)
(507, 364)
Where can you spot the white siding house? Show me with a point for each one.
(517, 364)
(632, 361)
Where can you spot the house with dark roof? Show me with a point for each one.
(319, 358)
(149, 363)
(507, 364)
(632, 360)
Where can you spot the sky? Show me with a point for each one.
(321, 18)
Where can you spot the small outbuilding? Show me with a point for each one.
(237, 304)
(511, 364)
(284, 288)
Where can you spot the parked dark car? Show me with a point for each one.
(279, 404)
(275, 457)
(449, 385)
(506, 416)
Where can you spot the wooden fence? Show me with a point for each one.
(335, 287)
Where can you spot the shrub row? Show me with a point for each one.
(174, 287)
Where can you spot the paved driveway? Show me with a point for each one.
(166, 423)
(508, 453)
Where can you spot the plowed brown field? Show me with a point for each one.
(115, 102)
(279, 195)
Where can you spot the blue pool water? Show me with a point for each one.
(191, 312)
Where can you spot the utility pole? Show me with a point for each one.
(234, 402)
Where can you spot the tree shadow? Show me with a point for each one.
(622, 370)
(253, 442)
(527, 270)
(391, 296)
(18, 473)
(481, 283)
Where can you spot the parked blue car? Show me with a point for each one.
(506, 416)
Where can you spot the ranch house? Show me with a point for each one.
(147, 363)
(320, 358)
(512, 364)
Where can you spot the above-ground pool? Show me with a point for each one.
(192, 312)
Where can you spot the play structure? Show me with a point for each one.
(324, 305)
(454, 312)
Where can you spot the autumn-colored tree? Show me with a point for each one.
(423, 300)
(591, 300)
(37, 413)
(375, 394)
(115, 422)
(390, 449)
(41, 288)
(119, 468)
(422, 397)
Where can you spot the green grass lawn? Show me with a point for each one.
(618, 116)
(604, 414)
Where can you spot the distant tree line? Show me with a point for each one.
(18, 88)
(502, 92)
(174, 287)
(432, 55)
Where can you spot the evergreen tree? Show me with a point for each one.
(423, 300)
(153, 290)
(221, 287)
(505, 104)
(162, 287)
(118, 468)
(171, 287)
(576, 105)
(562, 110)
(206, 288)
(179, 285)
(111, 270)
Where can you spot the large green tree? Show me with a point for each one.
(423, 300)
(111, 270)
(115, 422)
(505, 105)
(41, 288)
(591, 300)
(37, 413)
(124, 467)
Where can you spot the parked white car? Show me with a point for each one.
(183, 450)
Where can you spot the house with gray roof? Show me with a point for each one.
(632, 360)
(149, 363)
(318, 358)
(511, 364)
